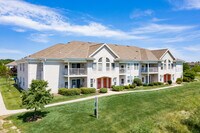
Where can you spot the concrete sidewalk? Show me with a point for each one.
(4, 111)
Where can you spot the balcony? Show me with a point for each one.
(76, 71)
(151, 70)
(122, 70)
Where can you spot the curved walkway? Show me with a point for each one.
(4, 111)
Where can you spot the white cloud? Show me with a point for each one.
(19, 30)
(185, 4)
(9, 51)
(158, 19)
(41, 18)
(141, 13)
(43, 38)
(192, 48)
(161, 28)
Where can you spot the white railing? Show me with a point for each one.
(151, 69)
(122, 70)
(76, 71)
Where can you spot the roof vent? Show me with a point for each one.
(127, 46)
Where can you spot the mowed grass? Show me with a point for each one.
(11, 96)
(156, 111)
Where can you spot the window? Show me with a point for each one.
(91, 82)
(169, 64)
(129, 66)
(94, 66)
(66, 84)
(142, 79)
(73, 83)
(129, 79)
(20, 80)
(172, 66)
(20, 66)
(107, 60)
(115, 81)
(122, 81)
(23, 83)
(100, 59)
(107, 64)
(161, 78)
(165, 65)
(136, 66)
(23, 66)
(113, 66)
(100, 64)
(161, 66)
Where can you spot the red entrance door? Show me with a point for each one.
(99, 83)
(106, 82)
(167, 77)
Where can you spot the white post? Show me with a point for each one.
(148, 72)
(68, 75)
(96, 107)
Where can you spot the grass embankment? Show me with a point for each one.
(11, 95)
(171, 110)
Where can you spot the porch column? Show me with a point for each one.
(148, 73)
(68, 76)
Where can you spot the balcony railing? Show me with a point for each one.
(122, 70)
(76, 71)
(151, 69)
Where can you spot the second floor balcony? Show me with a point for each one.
(75, 71)
(151, 69)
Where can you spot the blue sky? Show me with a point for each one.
(27, 26)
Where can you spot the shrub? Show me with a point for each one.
(132, 86)
(160, 83)
(137, 81)
(145, 84)
(118, 88)
(169, 82)
(179, 80)
(186, 79)
(103, 90)
(126, 87)
(155, 83)
(69, 92)
(150, 84)
(88, 90)
(112, 86)
(189, 74)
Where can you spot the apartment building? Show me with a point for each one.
(87, 64)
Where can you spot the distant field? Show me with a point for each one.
(171, 110)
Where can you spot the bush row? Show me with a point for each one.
(76, 91)
(153, 84)
(103, 90)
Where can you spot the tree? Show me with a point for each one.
(189, 74)
(196, 68)
(5, 72)
(186, 67)
(137, 81)
(37, 96)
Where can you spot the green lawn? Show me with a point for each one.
(159, 111)
(10, 96)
